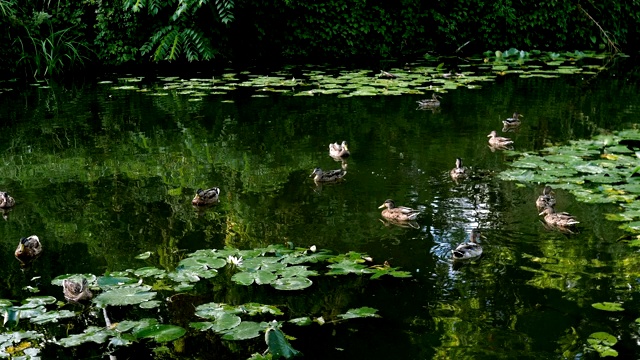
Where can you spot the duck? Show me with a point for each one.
(499, 142)
(339, 150)
(398, 213)
(512, 121)
(546, 199)
(6, 201)
(427, 103)
(386, 74)
(29, 248)
(206, 197)
(558, 219)
(459, 172)
(76, 291)
(327, 176)
(468, 250)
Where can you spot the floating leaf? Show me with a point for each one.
(150, 271)
(608, 306)
(246, 330)
(124, 296)
(52, 316)
(144, 255)
(292, 283)
(301, 321)
(161, 332)
(359, 313)
(91, 334)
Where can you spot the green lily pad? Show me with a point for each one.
(260, 277)
(359, 313)
(91, 334)
(52, 316)
(150, 271)
(292, 283)
(300, 271)
(225, 322)
(107, 282)
(203, 262)
(246, 330)
(301, 321)
(608, 306)
(125, 296)
(161, 333)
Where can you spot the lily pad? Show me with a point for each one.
(608, 306)
(292, 283)
(161, 332)
(52, 316)
(246, 330)
(91, 334)
(124, 296)
(359, 313)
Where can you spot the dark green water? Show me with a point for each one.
(102, 175)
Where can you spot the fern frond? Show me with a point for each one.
(172, 42)
(225, 8)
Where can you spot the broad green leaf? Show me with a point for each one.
(124, 296)
(278, 345)
(144, 255)
(301, 321)
(52, 316)
(91, 334)
(161, 332)
(246, 330)
(150, 271)
(359, 313)
(608, 306)
(292, 283)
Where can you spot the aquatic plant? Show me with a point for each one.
(276, 265)
(598, 170)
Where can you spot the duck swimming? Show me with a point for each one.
(339, 150)
(6, 201)
(327, 176)
(512, 121)
(458, 172)
(206, 197)
(468, 250)
(430, 103)
(546, 199)
(558, 219)
(76, 291)
(29, 248)
(499, 142)
(398, 213)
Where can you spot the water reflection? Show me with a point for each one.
(119, 174)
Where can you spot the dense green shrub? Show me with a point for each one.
(118, 32)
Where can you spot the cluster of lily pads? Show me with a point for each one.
(416, 78)
(598, 170)
(276, 265)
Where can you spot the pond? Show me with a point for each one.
(103, 173)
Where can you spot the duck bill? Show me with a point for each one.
(381, 206)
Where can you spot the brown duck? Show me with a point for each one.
(398, 213)
(29, 248)
(76, 291)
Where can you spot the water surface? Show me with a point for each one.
(101, 175)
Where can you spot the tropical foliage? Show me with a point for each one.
(114, 32)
